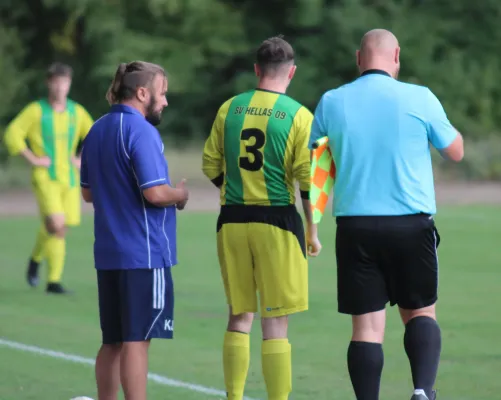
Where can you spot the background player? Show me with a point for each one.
(54, 127)
(257, 147)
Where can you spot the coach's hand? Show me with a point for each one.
(181, 186)
(313, 245)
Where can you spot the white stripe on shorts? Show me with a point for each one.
(436, 254)
(162, 288)
(158, 296)
(155, 292)
(158, 288)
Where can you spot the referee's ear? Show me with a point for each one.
(397, 56)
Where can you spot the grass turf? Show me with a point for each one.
(470, 277)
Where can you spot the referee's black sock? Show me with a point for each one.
(365, 364)
(423, 344)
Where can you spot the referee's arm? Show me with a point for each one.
(213, 156)
(441, 134)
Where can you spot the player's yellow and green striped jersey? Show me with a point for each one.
(258, 148)
(52, 134)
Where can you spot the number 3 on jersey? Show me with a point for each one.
(257, 139)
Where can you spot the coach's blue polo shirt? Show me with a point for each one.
(123, 155)
(380, 132)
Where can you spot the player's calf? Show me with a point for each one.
(240, 323)
(236, 354)
(55, 251)
(134, 369)
(407, 315)
(365, 354)
(369, 327)
(275, 327)
(423, 343)
(276, 357)
(108, 371)
(56, 225)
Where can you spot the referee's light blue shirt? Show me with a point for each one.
(380, 132)
(123, 155)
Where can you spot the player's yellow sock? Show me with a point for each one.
(236, 358)
(277, 369)
(55, 251)
(38, 251)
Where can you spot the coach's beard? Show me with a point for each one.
(154, 118)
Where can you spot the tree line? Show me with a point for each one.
(207, 47)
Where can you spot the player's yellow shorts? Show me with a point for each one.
(262, 249)
(56, 198)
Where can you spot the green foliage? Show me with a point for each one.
(207, 47)
(11, 82)
(482, 159)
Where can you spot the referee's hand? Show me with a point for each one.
(313, 245)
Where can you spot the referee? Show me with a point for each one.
(379, 131)
(125, 175)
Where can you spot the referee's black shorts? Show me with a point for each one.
(381, 259)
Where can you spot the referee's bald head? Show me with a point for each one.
(379, 49)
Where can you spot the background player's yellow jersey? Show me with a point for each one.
(258, 148)
(52, 134)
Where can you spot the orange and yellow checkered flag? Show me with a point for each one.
(323, 174)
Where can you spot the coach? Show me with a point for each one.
(379, 131)
(125, 175)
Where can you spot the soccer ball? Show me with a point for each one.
(81, 398)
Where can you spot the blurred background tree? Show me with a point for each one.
(207, 47)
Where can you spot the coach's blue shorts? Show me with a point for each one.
(136, 304)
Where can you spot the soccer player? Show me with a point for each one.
(256, 150)
(380, 131)
(47, 133)
(125, 175)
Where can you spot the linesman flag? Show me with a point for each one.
(323, 174)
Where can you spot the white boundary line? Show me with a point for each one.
(162, 380)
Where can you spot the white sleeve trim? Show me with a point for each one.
(156, 180)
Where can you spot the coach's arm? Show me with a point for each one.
(166, 195)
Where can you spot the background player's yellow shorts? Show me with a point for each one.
(55, 198)
(263, 249)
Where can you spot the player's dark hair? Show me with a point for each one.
(59, 69)
(273, 54)
(129, 77)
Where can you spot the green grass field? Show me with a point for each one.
(470, 297)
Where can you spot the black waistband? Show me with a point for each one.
(284, 217)
(258, 210)
(391, 220)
